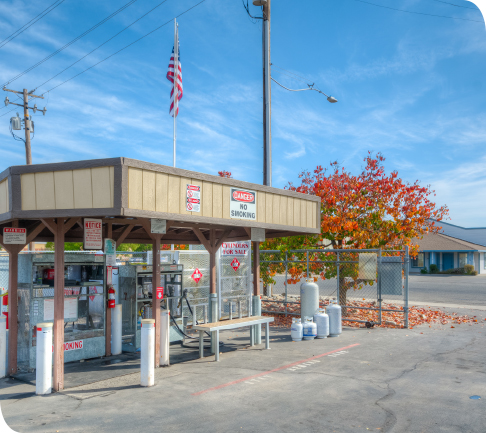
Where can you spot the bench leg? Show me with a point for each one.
(267, 335)
(201, 344)
(216, 334)
(252, 337)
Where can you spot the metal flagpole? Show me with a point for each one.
(176, 73)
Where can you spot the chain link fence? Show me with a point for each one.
(366, 283)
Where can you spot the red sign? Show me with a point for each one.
(14, 230)
(196, 275)
(235, 264)
(70, 345)
(243, 196)
(160, 293)
(15, 236)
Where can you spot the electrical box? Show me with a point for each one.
(16, 124)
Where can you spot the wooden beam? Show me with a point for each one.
(202, 239)
(248, 232)
(124, 234)
(155, 301)
(13, 257)
(58, 377)
(222, 239)
(212, 238)
(50, 224)
(70, 223)
(256, 268)
(34, 233)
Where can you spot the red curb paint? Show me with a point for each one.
(224, 385)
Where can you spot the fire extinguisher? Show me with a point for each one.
(4, 303)
(111, 297)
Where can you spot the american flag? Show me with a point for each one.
(170, 77)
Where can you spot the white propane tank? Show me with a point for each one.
(297, 330)
(334, 312)
(309, 298)
(310, 329)
(321, 319)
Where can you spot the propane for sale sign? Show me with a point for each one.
(14, 236)
(235, 248)
(243, 204)
(193, 198)
(93, 234)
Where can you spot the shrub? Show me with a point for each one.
(434, 269)
(423, 271)
(468, 269)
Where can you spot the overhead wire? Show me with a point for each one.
(70, 43)
(28, 25)
(104, 43)
(121, 49)
(459, 6)
(417, 13)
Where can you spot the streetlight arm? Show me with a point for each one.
(311, 87)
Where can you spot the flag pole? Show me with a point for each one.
(176, 71)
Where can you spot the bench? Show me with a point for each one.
(215, 327)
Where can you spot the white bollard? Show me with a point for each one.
(164, 338)
(116, 330)
(43, 363)
(147, 361)
(3, 346)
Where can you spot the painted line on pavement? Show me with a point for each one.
(224, 385)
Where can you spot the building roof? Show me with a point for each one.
(441, 242)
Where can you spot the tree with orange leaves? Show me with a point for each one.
(371, 210)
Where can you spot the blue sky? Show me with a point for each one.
(410, 86)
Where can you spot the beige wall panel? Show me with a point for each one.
(283, 210)
(269, 208)
(200, 184)
(217, 200)
(4, 196)
(44, 190)
(27, 188)
(314, 214)
(112, 185)
(261, 196)
(310, 211)
(148, 190)
(64, 189)
(101, 186)
(135, 188)
(290, 211)
(174, 193)
(183, 194)
(303, 213)
(276, 209)
(296, 212)
(83, 197)
(161, 188)
(226, 201)
(207, 199)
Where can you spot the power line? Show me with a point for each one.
(459, 6)
(417, 13)
(104, 43)
(26, 26)
(125, 47)
(70, 43)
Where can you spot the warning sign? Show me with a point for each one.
(93, 236)
(196, 275)
(14, 236)
(235, 264)
(160, 293)
(243, 204)
(193, 198)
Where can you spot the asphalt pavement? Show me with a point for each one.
(382, 380)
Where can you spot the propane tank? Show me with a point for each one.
(309, 328)
(297, 330)
(321, 319)
(334, 312)
(309, 298)
(111, 296)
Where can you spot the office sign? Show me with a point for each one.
(243, 204)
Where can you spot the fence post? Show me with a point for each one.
(337, 268)
(406, 264)
(307, 252)
(379, 287)
(286, 286)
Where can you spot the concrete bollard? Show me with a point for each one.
(3, 346)
(257, 311)
(147, 364)
(116, 330)
(43, 362)
(164, 338)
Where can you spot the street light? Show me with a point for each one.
(331, 99)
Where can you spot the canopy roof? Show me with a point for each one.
(127, 193)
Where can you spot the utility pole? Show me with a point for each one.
(27, 122)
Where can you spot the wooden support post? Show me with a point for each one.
(256, 268)
(109, 234)
(13, 257)
(155, 301)
(58, 377)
